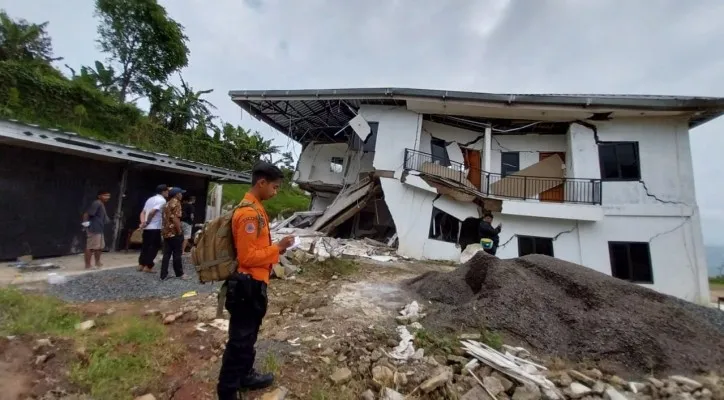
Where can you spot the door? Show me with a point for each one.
(473, 164)
(557, 193)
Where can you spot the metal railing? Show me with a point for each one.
(561, 190)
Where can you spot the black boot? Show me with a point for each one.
(255, 381)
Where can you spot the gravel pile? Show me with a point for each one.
(567, 310)
(128, 284)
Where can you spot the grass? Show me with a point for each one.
(22, 314)
(287, 201)
(271, 364)
(330, 267)
(717, 280)
(434, 343)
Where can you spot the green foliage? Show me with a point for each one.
(287, 201)
(717, 280)
(330, 267)
(22, 313)
(139, 36)
(23, 41)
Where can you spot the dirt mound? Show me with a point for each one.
(564, 309)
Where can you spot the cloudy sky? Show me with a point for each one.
(560, 46)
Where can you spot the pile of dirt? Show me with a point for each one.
(570, 311)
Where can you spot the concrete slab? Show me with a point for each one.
(69, 266)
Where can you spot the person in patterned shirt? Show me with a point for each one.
(172, 234)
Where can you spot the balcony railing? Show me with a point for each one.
(561, 190)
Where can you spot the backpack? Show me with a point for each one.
(214, 254)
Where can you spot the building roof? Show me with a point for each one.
(321, 113)
(33, 136)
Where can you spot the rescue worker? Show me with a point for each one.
(246, 295)
(489, 234)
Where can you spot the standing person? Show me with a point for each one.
(172, 233)
(95, 220)
(489, 236)
(246, 298)
(151, 225)
(187, 219)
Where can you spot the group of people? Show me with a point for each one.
(166, 222)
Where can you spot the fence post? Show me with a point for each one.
(593, 192)
(487, 183)
(525, 187)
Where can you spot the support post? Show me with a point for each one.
(118, 216)
(487, 149)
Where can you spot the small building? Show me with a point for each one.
(605, 181)
(48, 178)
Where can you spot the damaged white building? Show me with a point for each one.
(600, 180)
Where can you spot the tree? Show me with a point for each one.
(181, 109)
(101, 77)
(147, 45)
(23, 41)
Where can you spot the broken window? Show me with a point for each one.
(509, 162)
(534, 245)
(369, 144)
(438, 150)
(444, 226)
(619, 161)
(335, 165)
(631, 261)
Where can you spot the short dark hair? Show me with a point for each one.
(487, 214)
(267, 171)
(102, 192)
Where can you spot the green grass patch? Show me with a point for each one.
(22, 314)
(287, 201)
(330, 267)
(271, 364)
(716, 280)
(435, 343)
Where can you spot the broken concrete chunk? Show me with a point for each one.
(367, 395)
(451, 359)
(580, 377)
(599, 387)
(527, 392)
(476, 393)
(383, 375)
(655, 382)
(470, 336)
(636, 387)
(493, 385)
(507, 384)
(279, 393)
(85, 325)
(341, 376)
(42, 359)
(577, 390)
(686, 382)
(436, 381)
(613, 394)
(389, 394)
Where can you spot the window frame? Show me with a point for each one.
(503, 172)
(435, 142)
(535, 238)
(433, 225)
(620, 178)
(630, 263)
(336, 161)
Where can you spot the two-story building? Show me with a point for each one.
(605, 181)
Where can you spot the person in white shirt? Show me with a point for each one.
(151, 225)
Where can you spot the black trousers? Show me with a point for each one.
(150, 247)
(172, 246)
(246, 301)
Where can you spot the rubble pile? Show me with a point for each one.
(567, 310)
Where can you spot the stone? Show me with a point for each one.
(493, 384)
(279, 393)
(85, 325)
(507, 383)
(148, 396)
(617, 381)
(41, 344)
(154, 311)
(688, 383)
(110, 311)
(383, 375)
(550, 394)
(655, 382)
(599, 387)
(440, 379)
(207, 313)
(637, 387)
(476, 393)
(400, 379)
(419, 354)
(577, 390)
(341, 376)
(470, 336)
(594, 373)
(582, 378)
(389, 394)
(328, 352)
(451, 359)
(42, 359)
(527, 392)
(309, 313)
(564, 380)
(376, 355)
(709, 381)
(613, 394)
(367, 395)
(170, 318)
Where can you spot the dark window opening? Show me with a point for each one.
(509, 162)
(534, 245)
(335, 164)
(444, 226)
(631, 261)
(439, 152)
(619, 161)
(368, 146)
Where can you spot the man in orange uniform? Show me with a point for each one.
(246, 298)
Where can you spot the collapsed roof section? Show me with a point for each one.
(322, 114)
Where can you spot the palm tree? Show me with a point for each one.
(23, 41)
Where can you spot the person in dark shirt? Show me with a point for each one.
(187, 219)
(94, 221)
(487, 231)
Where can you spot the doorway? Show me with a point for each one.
(473, 162)
(554, 194)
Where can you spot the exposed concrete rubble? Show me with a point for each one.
(574, 312)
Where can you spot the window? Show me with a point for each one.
(534, 245)
(619, 161)
(631, 261)
(509, 162)
(335, 165)
(439, 152)
(444, 226)
(368, 145)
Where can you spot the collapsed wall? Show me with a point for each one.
(564, 309)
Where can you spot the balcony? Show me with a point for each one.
(488, 184)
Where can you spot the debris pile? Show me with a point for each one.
(560, 308)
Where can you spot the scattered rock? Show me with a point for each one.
(309, 313)
(470, 336)
(655, 382)
(154, 311)
(686, 382)
(328, 352)
(476, 393)
(383, 375)
(599, 387)
(85, 325)
(367, 395)
(341, 376)
(41, 344)
(169, 319)
(277, 394)
(617, 381)
(582, 378)
(493, 384)
(451, 359)
(563, 380)
(42, 359)
(637, 387)
(389, 394)
(207, 314)
(148, 396)
(594, 373)
(436, 381)
(613, 394)
(507, 384)
(110, 311)
(577, 390)
(527, 392)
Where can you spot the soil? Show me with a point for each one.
(563, 309)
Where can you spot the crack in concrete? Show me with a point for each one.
(655, 197)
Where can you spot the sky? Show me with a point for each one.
(668, 47)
